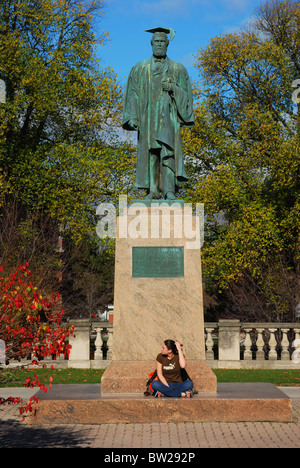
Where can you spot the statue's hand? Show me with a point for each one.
(167, 85)
(133, 124)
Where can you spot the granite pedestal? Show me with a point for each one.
(157, 296)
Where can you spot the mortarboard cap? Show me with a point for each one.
(165, 30)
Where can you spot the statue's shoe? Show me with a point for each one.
(152, 196)
(170, 196)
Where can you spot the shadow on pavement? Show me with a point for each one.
(16, 435)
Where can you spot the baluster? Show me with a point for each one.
(98, 344)
(2, 353)
(260, 354)
(209, 344)
(272, 344)
(248, 344)
(110, 344)
(285, 354)
(296, 346)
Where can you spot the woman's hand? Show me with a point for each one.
(182, 360)
(178, 345)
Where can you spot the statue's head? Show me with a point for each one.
(160, 40)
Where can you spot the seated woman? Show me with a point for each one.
(168, 365)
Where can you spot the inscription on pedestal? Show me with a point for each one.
(157, 262)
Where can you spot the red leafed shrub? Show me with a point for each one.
(30, 324)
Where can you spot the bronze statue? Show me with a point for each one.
(158, 101)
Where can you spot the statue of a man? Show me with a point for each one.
(158, 101)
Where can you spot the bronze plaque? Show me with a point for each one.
(157, 262)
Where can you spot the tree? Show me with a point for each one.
(60, 109)
(89, 276)
(245, 164)
(30, 236)
(30, 324)
(60, 154)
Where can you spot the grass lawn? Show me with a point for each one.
(279, 377)
(16, 377)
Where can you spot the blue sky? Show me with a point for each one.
(195, 22)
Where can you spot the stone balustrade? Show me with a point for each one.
(236, 345)
(228, 343)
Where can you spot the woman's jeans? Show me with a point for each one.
(174, 389)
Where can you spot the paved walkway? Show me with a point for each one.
(14, 433)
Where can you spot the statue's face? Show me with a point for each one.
(160, 44)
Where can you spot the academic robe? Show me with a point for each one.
(159, 115)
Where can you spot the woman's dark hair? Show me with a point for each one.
(170, 344)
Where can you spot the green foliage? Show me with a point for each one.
(57, 138)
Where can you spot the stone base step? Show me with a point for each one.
(233, 402)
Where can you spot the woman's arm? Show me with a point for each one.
(182, 360)
(160, 373)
